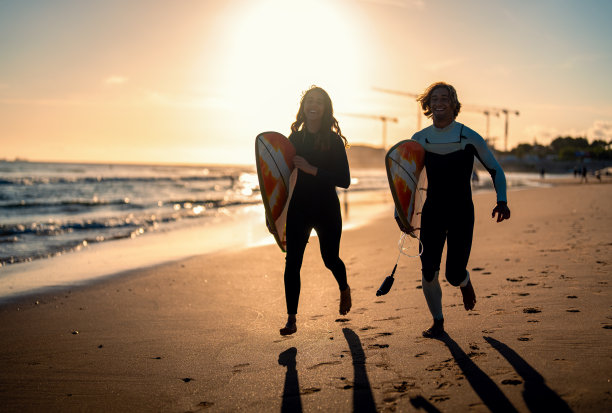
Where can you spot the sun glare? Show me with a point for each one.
(281, 47)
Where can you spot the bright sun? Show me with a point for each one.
(281, 47)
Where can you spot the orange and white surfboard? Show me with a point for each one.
(405, 164)
(274, 159)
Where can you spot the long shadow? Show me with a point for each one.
(363, 400)
(419, 402)
(291, 391)
(487, 390)
(538, 396)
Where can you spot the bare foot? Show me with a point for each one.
(469, 297)
(436, 330)
(290, 327)
(345, 301)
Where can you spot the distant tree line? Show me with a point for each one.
(566, 149)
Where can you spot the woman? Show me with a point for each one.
(322, 166)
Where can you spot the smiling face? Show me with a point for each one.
(442, 107)
(314, 109)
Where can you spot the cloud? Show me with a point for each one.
(115, 80)
(599, 130)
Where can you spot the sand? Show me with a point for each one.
(201, 334)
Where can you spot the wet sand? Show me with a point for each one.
(201, 334)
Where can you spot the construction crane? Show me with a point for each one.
(382, 118)
(487, 111)
(407, 94)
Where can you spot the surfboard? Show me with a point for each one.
(405, 164)
(274, 160)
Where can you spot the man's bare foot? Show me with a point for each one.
(290, 327)
(345, 301)
(469, 297)
(436, 330)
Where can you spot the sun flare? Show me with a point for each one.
(280, 48)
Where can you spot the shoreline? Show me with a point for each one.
(111, 259)
(202, 333)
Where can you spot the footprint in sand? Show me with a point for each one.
(205, 405)
(512, 382)
(383, 335)
(378, 346)
(366, 328)
(531, 310)
(389, 319)
(325, 363)
(309, 390)
(524, 339)
(607, 326)
(477, 269)
(515, 280)
(342, 320)
(572, 296)
(573, 310)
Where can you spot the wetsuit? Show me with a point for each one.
(448, 213)
(315, 204)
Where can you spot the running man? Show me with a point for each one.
(448, 213)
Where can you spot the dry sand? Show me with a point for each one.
(202, 334)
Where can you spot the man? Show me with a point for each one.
(448, 213)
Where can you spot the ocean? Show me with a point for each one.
(48, 209)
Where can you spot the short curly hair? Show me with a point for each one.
(425, 98)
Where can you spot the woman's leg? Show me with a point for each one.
(329, 230)
(298, 232)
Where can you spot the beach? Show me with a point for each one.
(201, 334)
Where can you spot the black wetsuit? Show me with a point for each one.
(315, 204)
(448, 213)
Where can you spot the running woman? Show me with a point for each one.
(448, 213)
(322, 166)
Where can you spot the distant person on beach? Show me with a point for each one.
(322, 166)
(448, 212)
(583, 175)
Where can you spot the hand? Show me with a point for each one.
(502, 211)
(303, 164)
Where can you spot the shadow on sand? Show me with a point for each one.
(483, 385)
(291, 391)
(363, 400)
(538, 396)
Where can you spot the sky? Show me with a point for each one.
(194, 82)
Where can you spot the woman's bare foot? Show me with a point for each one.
(290, 327)
(345, 301)
(469, 297)
(436, 330)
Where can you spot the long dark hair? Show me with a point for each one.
(329, 124)
(425, 98)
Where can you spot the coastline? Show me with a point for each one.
(201, 334)
(243, 228)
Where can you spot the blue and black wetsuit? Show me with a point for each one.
(315, 205)
(448, 213)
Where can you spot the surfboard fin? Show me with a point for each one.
(385, 287)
